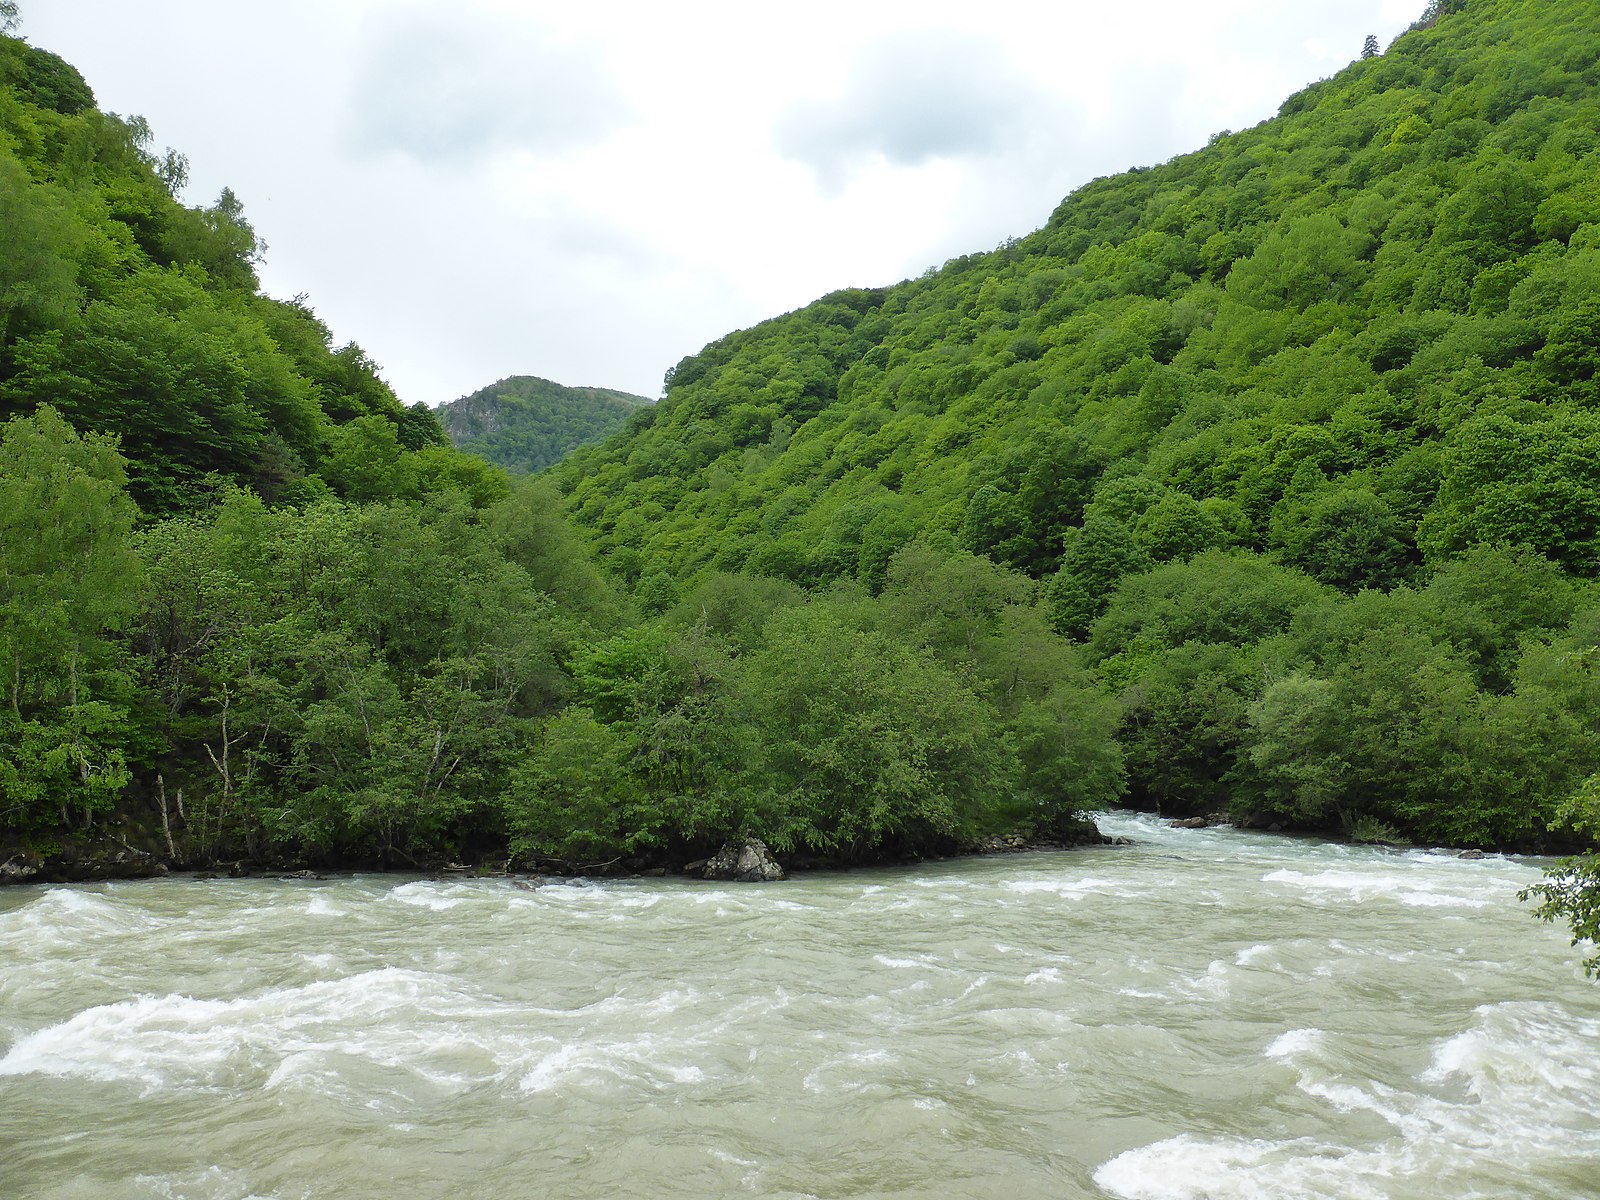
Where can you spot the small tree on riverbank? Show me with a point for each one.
(1571, 890)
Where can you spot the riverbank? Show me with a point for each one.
(126, 850)
(116, 851)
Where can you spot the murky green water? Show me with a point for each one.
(1209, 1014)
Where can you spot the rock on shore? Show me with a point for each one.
(747, 861)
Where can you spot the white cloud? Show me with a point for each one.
(450, 87)
(911, 98)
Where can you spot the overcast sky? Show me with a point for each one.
(589, 192)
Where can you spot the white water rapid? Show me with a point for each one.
(1208, 1015)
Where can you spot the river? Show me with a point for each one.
(1207, 1014)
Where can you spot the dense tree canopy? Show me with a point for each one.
(1336, 370)
(132, 315)
(525, 424)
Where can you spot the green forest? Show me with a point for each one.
(526, 424)
(1262, 483)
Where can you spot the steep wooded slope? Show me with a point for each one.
(1298, 433)
(134, 315)
(1379, 303)
(525, 424)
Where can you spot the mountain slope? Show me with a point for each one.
(1298, 432)
(1384, 284)
(132, 314)
(250, 607)
(525, 424)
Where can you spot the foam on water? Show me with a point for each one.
(213, 1183)
(66, 916)
(1295, 1043)
(410, 1025)
(902, 964)
(1251, 955)
(855, 1072)
(1517, 1051)
(1530, 1077)
(433, 896)
(1070, 889)
(639, 1061)
(668, 1002)
(390, 1016)
(1405, 884)
(321, 906)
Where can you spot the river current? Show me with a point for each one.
(1207, 1015)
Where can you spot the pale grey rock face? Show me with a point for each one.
(748, 861)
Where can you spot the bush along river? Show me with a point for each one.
(1205, 1014)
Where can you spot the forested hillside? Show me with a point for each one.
(134, 315)
(247, 598)
(251, 606)
(1265, 481)
(1295, 436)
(525, 424)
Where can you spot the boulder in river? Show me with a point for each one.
(747, 861)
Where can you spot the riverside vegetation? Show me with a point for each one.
(1266, 481)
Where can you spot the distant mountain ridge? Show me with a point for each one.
(524, 423)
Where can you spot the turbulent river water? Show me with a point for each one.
(1207, 1014)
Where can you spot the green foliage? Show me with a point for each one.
(1185, 716)
(1096, 559)
(1571, 890)
(39, 77)
(1294, 432)
(1369, 831)
(1391, 728)
(981, 621)
(871, 744)
(1275, 337)
(38, 281)
(1534, 483)
(54, 768)
(1031, 493)
(529, 528)
(1220, 597)
(133, 315)
(348, 680)
(569, 801)
(1348, 538)
(1571, 893)
(68, 581)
